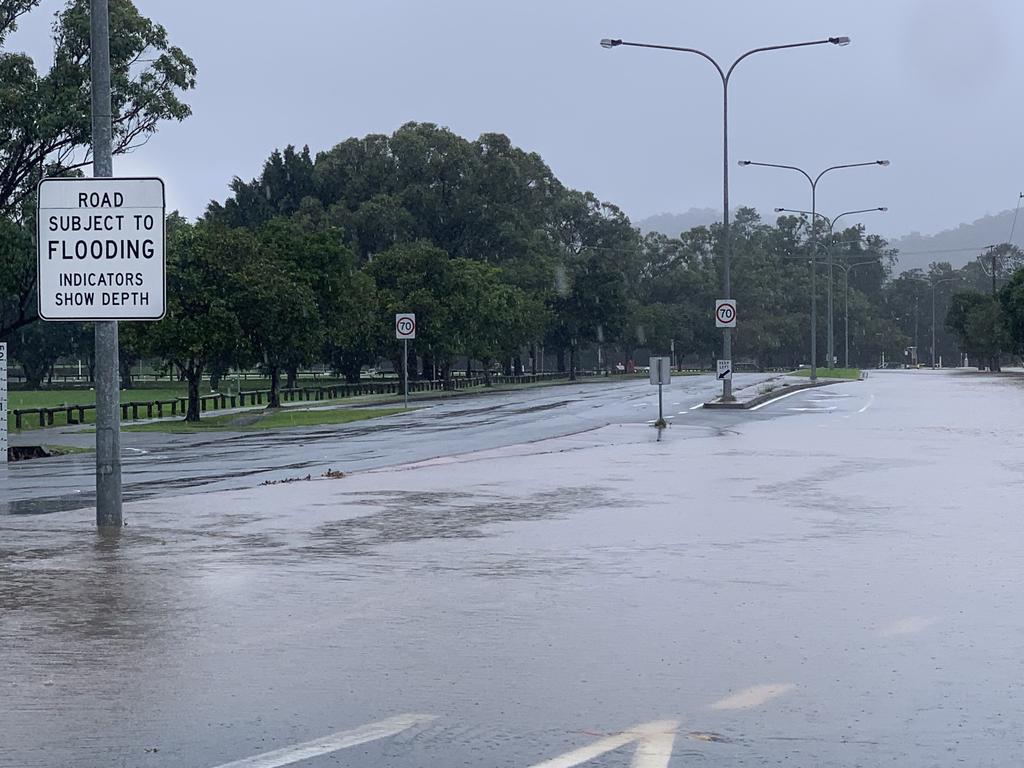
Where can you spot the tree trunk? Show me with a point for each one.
(561, 360)
(293, 376)
(193, 377)
(33, 376)
(274, 400)
(572, 363)
(533, 360)
(469, 368)
(125, 364)
(487, 371)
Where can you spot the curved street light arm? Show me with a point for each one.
(833, 40)
(806, 175)
(721, 72)
(847, 165)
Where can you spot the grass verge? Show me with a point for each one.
(284, 418)
(831, 373)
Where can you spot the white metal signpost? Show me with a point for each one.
(100, 257)
(661, 373)
(405, 329)
(101, 249)
(725, 370)
(725, 313)
(3, 402)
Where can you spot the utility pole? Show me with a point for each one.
(108, 404)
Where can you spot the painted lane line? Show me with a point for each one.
(333, 743)
(654, 747)
(754, 696)
(813, 410)
(776, 399)
(695, 407)
(868, 404)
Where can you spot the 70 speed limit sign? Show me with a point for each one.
(405, 326)
(725, 313)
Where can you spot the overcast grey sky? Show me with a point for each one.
(932, 85)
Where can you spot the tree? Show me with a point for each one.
(45, 126)
(37, 347)
(204, 290)
(278, 305)
(1011, 299)
(977, 321)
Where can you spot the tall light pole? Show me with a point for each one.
(830, 338)
(725, 75)
(846, 305)
(813, 181)
(934, 284)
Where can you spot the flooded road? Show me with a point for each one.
(157, 464)
(831, 581)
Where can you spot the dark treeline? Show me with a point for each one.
(309, 262)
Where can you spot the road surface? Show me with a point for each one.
(157, 464)
(830, 581)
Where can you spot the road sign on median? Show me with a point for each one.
(725, 313)
(725, 370)
(661, 370)
(405, 326)
(101, 249)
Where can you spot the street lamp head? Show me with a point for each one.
(779, 210)
(883, 209)
(839, 40)
(882, 162)
(744, 162)
(609, 43)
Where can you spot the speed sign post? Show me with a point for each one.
(405, 329)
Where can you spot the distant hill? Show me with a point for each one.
(673, 224)
(957, 246)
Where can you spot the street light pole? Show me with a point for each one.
(846, 305)
(831, 236)
(813, 181)
(725, 76)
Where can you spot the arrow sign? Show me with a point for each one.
(725, 369)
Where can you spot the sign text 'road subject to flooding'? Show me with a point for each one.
(101, 249)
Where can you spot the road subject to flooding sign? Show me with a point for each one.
(101, 249)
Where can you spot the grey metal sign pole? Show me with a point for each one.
(108, 406)
(405, 370)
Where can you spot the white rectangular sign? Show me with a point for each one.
(405, 326)
(3, 402)
(725, 313)
(101, 249)
(661, 370)
(725, 369)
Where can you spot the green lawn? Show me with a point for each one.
(283, 418)
(831, 373)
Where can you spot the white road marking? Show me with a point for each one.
(908, 626)
(654, 747)
(868, 404)
(328, 744)
(813, 410)
(775, 400)
(754, 696)
(698, 405)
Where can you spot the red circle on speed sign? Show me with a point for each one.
(726, 313)
(405, 326)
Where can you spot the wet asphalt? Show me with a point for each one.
(157, 464)
(832, 580)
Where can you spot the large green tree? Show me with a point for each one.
(45, 118)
